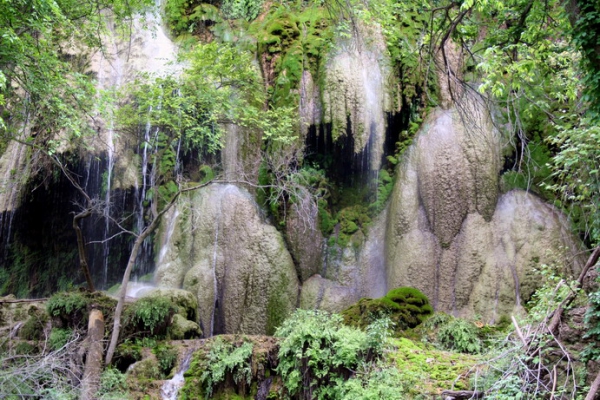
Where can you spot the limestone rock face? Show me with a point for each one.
(349, 273)
(215, 245)
(449, 234)
(304, 237)
(355, 94)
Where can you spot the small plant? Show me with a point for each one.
(59, 337)
(167, 357)
(459, 335)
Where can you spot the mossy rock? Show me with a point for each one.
(216, 359)
(149, 317)
(71, 309)
(407, 308)
(185, 301)
(182, 328)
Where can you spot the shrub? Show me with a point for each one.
(319, 353)
(112, 382)
(375, 382)
(459, 335)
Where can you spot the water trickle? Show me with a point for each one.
(214, 265)
(170, 388)
(167, 239)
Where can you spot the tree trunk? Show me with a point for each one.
(116, 331)
(81, 248)
(556, 317)
(594, 388)
(93, 361)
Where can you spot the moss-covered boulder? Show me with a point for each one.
(185, 301)
(233, 367)
(407, 307)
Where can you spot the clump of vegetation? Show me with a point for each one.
(211, 367)
(166, 356)
(112, 384)
(33, 328)
(406, 307)
(150, 316)
(71, 309)
(453, 334)
(318, 353)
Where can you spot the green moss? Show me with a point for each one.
(291, 39)
(276, 312)
(407, 307)
(431, 370)
(71, 309)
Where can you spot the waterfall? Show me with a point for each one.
(170, 388)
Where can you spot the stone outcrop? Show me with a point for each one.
(449, 234)
(215, 245)
(353, 98)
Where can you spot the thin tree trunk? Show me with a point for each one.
(93, 361)
(116, 331)
(81, 248)
(594, 388)
(556, 317)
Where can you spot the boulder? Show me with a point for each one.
(216, 245)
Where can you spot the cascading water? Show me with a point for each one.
(170, 388)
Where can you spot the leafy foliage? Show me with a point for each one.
(59, 337)
(43, 81)
(150, 315)
(221, 359)
(244, 9)
(460, 335)
(453, 334)
(319, 353)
